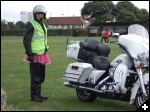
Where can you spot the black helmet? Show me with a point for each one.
(39, 8)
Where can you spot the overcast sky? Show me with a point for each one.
(10, 10)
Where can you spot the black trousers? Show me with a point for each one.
(105, 39)
(37, 75)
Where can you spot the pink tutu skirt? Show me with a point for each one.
(43, 59)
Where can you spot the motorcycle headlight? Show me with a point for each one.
(143, 58)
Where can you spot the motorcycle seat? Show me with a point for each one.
(101, 62)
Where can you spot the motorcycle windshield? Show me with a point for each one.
(139, 30)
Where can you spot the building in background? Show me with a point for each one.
(26, 16)
(30, 16)
(68, 22)
(113, 27)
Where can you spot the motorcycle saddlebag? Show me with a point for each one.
(74, 70)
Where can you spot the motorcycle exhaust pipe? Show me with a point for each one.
(81, 87)
(100, 91)
(87, 88)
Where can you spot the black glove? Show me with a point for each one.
(30, 58)
(45, 50)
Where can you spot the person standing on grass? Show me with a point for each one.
(103, 32)
(35, 44)
(105, 36)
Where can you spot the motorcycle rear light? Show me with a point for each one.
(74, 67)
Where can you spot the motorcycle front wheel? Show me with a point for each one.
(86, 95)
(140, 99)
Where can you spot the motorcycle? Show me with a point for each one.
(125, 78)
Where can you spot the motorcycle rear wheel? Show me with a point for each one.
(140, 99)
(86, 95)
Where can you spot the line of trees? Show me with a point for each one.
(17, 26)
(11, 25)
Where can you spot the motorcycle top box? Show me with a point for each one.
(72, 50)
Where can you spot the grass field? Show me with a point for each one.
(15, 79)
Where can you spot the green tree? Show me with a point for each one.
(126, 12)
(4, 26)
(11, 25)
(99, 11)
(20, 25)
(17, 27)
(144, 16)
(125, 16)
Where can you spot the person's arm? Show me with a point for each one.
(27, 38)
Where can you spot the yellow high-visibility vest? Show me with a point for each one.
(39, 39)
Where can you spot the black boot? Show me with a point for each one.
(43, 97)
(40, 96)
(36, 98)
(34, 93)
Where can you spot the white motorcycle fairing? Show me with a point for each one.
(134, 44)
